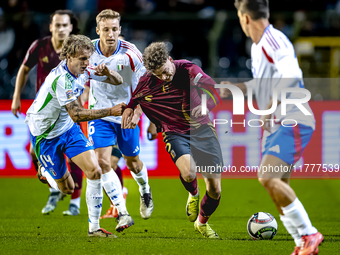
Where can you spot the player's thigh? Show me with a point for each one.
(50, 155)
(213, 185)
(128, 140)
(79, 149)
(104, 158)
(178, 147)
(273, 167)
(101, 133)
(287, 144)
(206, 150)
(87, 161)
(187, 167)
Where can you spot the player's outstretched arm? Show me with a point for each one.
(224, 92)
(19, 85)
(80, 114)
(113, 77)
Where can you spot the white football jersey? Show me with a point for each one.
(127, 61)
(275, 66)
(47, 116)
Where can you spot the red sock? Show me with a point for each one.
(190, 186)
(119, 174)
(208, 206)
(77, 175)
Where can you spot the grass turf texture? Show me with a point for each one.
(24, 230)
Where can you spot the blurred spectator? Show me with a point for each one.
(83, 9)
(146, 6)
(116, 5)
(7, 36)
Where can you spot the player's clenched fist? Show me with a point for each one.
(118, 109)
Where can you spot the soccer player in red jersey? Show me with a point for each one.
(169, 93)
(45, 54)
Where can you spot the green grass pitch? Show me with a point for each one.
(24, 230)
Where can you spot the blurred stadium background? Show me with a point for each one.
(205, 32)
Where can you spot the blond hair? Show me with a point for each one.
(107, 14)
(155, 55)
(74, 45)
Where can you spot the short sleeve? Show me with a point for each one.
(31, 57)
(63, 89)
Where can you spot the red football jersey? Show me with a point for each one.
(169, 104)
(41, 53)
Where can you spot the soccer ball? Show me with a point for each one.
(262, 226)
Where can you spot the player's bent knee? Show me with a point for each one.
(214, 191)
(104, 164)
(267, 182)
(188, 176)
(67, 190)
(66, 187)
(94, 174)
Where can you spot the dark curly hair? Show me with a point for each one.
(74, 45)
(155, 55)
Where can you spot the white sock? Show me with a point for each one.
(299, 218)
(49, 178)
(113, 188)
(200, 223)
(197, 194)
(53, 190)
(291, 229)
(142, 179)
(75, 201)
(94, 199)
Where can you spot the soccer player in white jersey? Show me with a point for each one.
(274, 66)
(125, 58)
(51, 120)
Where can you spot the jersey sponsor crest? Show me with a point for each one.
(45, 59)
(69, 94)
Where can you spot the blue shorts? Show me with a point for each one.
(104, 134)
(50, 152)
(288, 143)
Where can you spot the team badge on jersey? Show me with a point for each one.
(148, 98)
(165, 88)
(45, 59)
(69, 94)
(51, 170)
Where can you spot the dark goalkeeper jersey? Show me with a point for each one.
(169, 104)
(42, 54)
